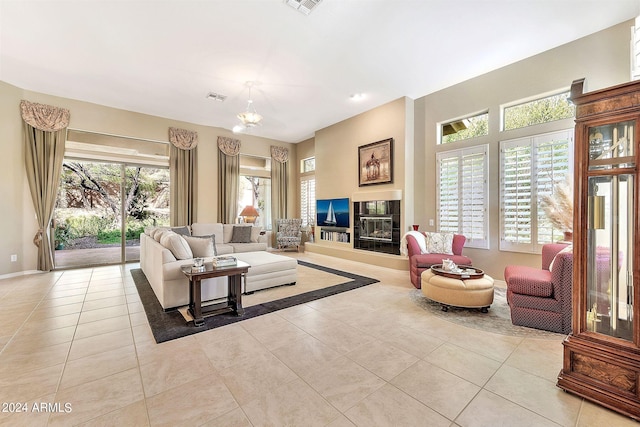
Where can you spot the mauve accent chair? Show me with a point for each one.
(540, 298)
(419, 262)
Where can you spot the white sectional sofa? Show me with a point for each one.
(161, 263)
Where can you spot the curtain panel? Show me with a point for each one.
(45, 131)
(228, 179)
(279, 183)
(183, 168)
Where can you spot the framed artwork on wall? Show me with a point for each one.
(375, 163)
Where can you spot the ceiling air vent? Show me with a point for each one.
(216, 96)
(304, 6)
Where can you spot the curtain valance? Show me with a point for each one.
(183, 139)
(229, 146)
(279, 154)
(44, 117)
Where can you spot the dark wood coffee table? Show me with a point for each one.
(234, 276)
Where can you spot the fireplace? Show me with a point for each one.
(376, 226)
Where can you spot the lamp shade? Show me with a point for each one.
(249, 213)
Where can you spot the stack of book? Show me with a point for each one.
(224, 261)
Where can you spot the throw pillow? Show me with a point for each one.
(255, 234)
(202, 246)
(184, 230)
(157, 234)
(565, 250)
(176, 244)
(241, 234)
(439, 243)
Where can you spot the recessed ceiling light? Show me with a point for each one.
(216, 96)
(357, 96)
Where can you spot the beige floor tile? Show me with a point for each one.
(592, 415)
(104, 303)
(389, 406)
(30, 342)
(60, 310)
(39, 325)
(98, 327)
(174, 370)
(142, 334)
(473, 367)
(438, 389)
(536, 394)
(233, 418)
(150, 352)
(495, 346)
(277, 335)
(254, 380)
(104, 294)
(98, 366)
(103, 313)
(293, 404)
(305, 354)
(415, 342)
(53, 302)
(193, 403)
(341, 421)
(235, 352)
(25, 386)
(488, 409)
(138, 319)
(100, 343)
(538, 357)
(22, 360)
(221, 334)
(384, 360)
(343, 382)
(26, 416)
(99, 397)
(134, 415)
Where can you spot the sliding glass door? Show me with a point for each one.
(102, 208)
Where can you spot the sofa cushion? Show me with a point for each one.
(241, 234)
(248, 247)
(255, 234)
(201, 246)
(227, 231)
(526, 280)
(207, 229)
(176, 244)
(439, 243)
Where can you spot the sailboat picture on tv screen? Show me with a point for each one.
(333, 213)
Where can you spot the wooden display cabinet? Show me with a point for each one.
(602, 354)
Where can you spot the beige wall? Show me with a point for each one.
(602, 58)
(336, 150)
(20, 225)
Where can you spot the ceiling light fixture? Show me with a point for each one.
(357, 96)
(250, 117)
(304, 6)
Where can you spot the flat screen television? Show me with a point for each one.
(332, 213)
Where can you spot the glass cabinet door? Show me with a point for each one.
(610, 232)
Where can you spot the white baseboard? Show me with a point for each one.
(20, 273)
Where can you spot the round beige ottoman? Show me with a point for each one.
(470, 293)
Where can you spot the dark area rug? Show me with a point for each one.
(497, 320)
(169, 325)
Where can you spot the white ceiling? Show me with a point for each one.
(164, 57)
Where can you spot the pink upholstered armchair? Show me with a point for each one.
(540, 298)
(419, 262)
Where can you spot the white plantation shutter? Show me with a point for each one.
(463, 194)
(529, 168)
(308, 200)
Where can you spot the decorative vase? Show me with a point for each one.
(568, 236)
(415, 227)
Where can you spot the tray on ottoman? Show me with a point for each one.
(461, 272)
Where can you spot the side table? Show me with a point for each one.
(234, 276)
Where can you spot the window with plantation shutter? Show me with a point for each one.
(308, 200)
(463, 194)
(529, 169)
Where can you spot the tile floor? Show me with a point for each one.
(77, 350)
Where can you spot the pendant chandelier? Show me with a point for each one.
(250, 117)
